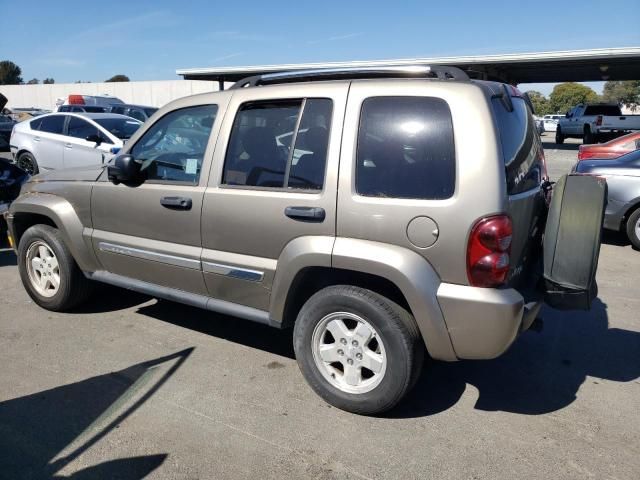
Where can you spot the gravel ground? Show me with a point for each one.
(131, 387)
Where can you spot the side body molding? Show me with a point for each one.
(415, 278)
(62, 213)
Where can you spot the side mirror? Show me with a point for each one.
(124, 170)
(95, 138)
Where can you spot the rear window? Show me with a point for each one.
(52, 124)
(611, 110)
(94, 109)
(405, 148)
(521, 146)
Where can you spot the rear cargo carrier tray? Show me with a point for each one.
(572, 241)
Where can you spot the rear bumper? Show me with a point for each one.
(484, 322)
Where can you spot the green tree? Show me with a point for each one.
(48, 81)
(10, 73)
(625, 91)
(118, 78)
(541, 104)
(33, 81)
(569, 94)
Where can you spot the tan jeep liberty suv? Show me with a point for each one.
(385, 213)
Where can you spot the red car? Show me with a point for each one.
(611, 149)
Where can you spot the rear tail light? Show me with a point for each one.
(599, 120)
(488, 251)
(76, 100)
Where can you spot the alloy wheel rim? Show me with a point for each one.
(349, 352)
(43, 269)
(26, 164)
(637, 229)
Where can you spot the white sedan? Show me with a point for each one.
(65, 140)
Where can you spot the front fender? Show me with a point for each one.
(63, 215)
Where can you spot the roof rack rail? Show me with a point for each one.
(440, 72)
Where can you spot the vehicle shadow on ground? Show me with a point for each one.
(541, 373)
(618, 239)
(251, 334)
(551, 145)
(42, 433)
(7, 257)
(107, 298)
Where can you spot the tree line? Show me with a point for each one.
(11, 74)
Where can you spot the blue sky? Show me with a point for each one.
(149, 40)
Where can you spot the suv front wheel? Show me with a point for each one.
(48, 271)
(358, 350)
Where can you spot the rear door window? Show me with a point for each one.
(521, 146)
(405, 148)
(53, 124)
(279, 144)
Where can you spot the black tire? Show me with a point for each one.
(74, 288)
(633, 227)
(559, 136)
(395, 327)
(27, 162)
(588, 138)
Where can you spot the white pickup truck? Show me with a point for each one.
(595, 122)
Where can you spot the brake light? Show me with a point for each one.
(76, 100)
(599, 120)
(488, 251)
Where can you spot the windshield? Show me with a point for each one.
(122, 128)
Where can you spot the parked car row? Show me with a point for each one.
(139, 112)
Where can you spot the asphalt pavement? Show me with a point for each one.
(131, 387)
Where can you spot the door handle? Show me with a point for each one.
(305, 214)
(68, 145)
(36, 139)
(176, 203)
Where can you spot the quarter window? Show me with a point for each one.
(405, 148)
(279, 144)
(173, 148)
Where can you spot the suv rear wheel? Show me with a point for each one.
(358, 350)
(48, 271)
(559, 135)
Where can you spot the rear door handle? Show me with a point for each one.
(176, 203)
(305, 214)
(68, 145)
(36, 139)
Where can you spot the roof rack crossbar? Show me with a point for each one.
(440, 72)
